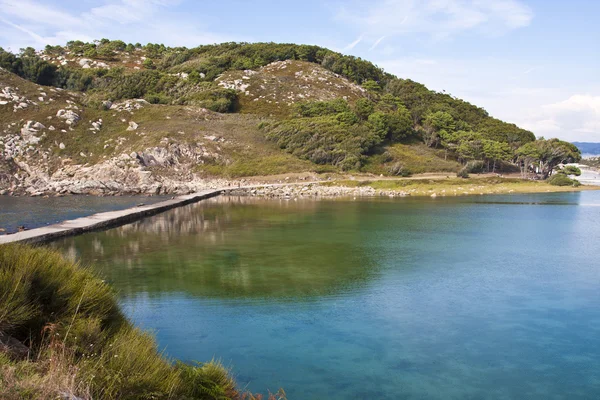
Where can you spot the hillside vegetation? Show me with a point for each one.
(239, 109)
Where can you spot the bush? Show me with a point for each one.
(475, 167)
(463, 173)
(218, 100)
(148, 64)
(571, 170)
(80, 342)
(158, 98)
(323, 140)
(321, 108)
(398, 170)
(560, 179)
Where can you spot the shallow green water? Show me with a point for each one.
(467, 298)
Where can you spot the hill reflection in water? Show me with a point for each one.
(223, 248)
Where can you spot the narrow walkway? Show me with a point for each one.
(113, 219)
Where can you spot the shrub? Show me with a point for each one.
(158, 98)
(81, 343)
(463, 173)
(210, 380)
(148, 64)
(398, 170)
(323, 140)
(218, 100)
(475, 167)
(321, 108)
(560, 179)
(571, 170)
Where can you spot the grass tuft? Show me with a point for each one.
(80, 344)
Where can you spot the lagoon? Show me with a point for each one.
(483, 297)
(36, 212)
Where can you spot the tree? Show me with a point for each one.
(372, 89)
(106, 53)
(389, 103)
(544, 155)
(571, 170)
(363, 108)
(379, 124)
(470, 146)
(435, 125)
(495, 151)
(400, 124)
(148, 64)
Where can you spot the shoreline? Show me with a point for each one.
(306, 190)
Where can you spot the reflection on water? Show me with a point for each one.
(491, 297)
(223, 248)
(34, 212)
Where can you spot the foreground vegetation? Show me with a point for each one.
(62, 335)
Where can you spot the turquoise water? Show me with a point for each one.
(490, 297)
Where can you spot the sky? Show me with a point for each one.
(535, 63)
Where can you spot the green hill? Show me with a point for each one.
(153, 117)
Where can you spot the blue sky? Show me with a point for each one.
(532, 62)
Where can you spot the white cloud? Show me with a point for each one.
(576, 118)
(502, 87)
(436, 18)
(130, 20)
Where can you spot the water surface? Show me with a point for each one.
(490, 297)
(35, 212)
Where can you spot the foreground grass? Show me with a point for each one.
(67, 337)
(460, 187)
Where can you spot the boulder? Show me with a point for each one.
(132, 126)
(12, 347)
(70, 117)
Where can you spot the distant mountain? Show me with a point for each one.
(588, 148)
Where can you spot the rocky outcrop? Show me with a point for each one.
(166, 169)
(70, 117)
(10, 96)
(31, 132)
(128, 105)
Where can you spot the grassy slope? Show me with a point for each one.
(272, 90)
(80, 344)
(241, 147)
(243, 152)
(460, 187)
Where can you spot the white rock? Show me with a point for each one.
(132, 126)
(61, 146)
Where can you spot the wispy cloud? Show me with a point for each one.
(530, 70)
(129, 20)
(353, 44)
(377, 42)
(435, 18)
(38, 39)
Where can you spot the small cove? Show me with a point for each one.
(473, 297)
